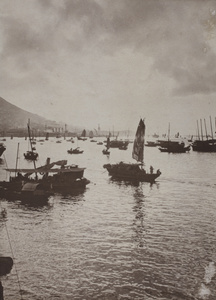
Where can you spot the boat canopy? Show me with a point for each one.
(48, 168)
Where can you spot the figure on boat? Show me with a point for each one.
(134, 171)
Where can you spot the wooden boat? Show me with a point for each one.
(82, 137)
(30, 154)
(75, 151)
(106, 151)
(70, 140)
(134, 171)
(2, 149)
(91, 134)
(6, 264)
(151, 144)
(58, 179)
(204, 144)
(118, 143)
(173, 146)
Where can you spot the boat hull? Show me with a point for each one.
(204, 146)
(175, 149)
(14, 189)
(30, 155)
(130, 172)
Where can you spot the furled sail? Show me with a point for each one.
(138, 146)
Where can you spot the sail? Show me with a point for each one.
(83, 133)
(138, 146)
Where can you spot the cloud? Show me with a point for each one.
(103, 51)
(173, 33)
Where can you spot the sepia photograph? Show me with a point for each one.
(108, 150)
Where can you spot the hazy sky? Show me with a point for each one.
(110, 62)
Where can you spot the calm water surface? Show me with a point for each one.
(115, 240)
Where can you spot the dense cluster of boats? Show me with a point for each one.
(40, 182)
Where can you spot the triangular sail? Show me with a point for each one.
(138, 146)
(83, 133)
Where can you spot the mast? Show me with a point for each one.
(198, 130)
(169, 132)
(206, 130)
(17, 159)
(211, 128)
(201, 129)
(31, 146)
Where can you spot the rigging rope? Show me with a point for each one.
(6, 164)
(13, 258)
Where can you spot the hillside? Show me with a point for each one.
(12, 116)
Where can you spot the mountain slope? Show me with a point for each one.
(12, 116)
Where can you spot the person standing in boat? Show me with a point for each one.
(151, 170)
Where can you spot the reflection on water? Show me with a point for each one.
(139, 225)
(40, 206)
(116, 240)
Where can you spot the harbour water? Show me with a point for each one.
(115, 241)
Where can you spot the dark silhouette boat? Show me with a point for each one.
(118, 143)
(75, 151)
(151, 144)
(173, 146)
(134, 171)
(83, 136)
(6, 264)
(30, 154)
(204, 144)
(106, 151)
(44, 180)
(2, 149)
